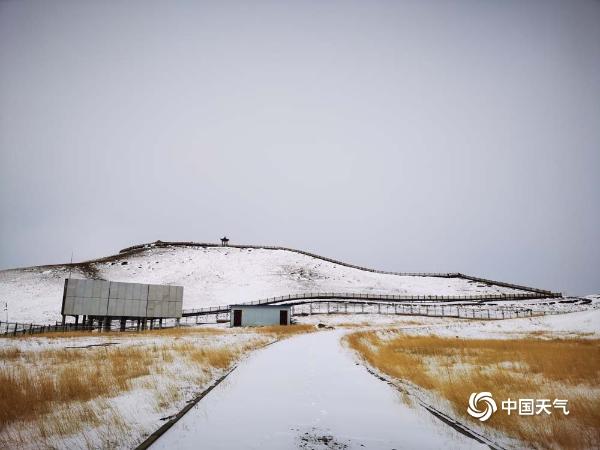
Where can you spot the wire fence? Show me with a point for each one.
(345, 296)
(23, 329)
(361, 307)
(20, 329)
(454, 311)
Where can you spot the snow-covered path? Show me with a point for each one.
(307, 392)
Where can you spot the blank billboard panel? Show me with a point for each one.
(118, 299)
(128, 300)
(85, 297)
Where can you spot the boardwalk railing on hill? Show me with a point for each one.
(473, 311)
(454, 311)
(349, 296)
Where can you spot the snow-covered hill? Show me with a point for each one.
(217, 276)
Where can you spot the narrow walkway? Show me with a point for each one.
(307, 392)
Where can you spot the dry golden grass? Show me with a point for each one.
(68, 334)
(38, 386)
(352, 324)
(217, 357)
(283, 331)
(166, 396)
(66, 376)
(278, 330)
(366, 323)
(513, 368)
(181, 331)
(58, 392)
(174, 331)
(9, 353)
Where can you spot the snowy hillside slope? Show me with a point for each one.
(218, 276)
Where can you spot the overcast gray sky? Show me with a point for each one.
(411, 136)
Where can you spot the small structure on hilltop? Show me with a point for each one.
(224, 241)
(260, 315)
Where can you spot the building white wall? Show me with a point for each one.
(253, 316)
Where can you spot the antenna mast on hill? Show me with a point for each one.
(71, 264)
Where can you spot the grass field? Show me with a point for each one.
(535, 368)
(53, 392)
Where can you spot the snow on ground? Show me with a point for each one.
(579, 324)
(576, 324)
(555, 305)
(139, 409)
(307, 392)
(80, 339)
(218, 276)
(304, 392)
(371, 320)
(584, 324)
